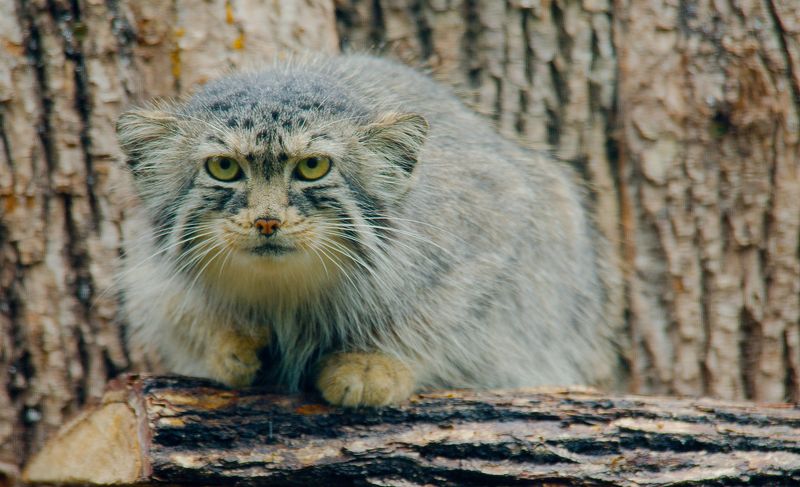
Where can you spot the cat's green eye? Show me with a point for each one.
(223, 168)
(312, 168)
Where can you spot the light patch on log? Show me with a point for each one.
(100, 446)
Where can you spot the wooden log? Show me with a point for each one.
(182, 431)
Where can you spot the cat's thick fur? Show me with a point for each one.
(434, 254)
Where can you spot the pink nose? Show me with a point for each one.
(267, 226)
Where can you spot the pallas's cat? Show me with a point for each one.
(355, 223)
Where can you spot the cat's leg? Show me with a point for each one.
(364, 379)
(232, 356)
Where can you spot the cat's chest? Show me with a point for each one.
(285, 317)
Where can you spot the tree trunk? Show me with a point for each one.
(684, 116)
(178, 431)
(710, 191)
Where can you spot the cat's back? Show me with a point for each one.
(386, 85)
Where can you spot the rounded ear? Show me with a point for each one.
(140, 131)
(398, 137)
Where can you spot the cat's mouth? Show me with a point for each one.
(271, 249)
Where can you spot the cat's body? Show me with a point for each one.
(432, 254)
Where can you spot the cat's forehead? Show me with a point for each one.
(259, 144)
(274, 116)
(280, 100)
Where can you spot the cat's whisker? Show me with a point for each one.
(152, 237)
(199, 273)
(375, 255)
(190, 257)
(416, 222)
(195, 255)
(350, 255)
(347, 276)
(414, 250)
(121, 275)
(321, 260)
(378, 280)
(231, 250)
(407, 233)
(177, 244)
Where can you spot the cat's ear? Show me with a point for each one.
(398, 137)
(143, 132)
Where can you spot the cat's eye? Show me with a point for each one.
(223, 168)
(312, 168)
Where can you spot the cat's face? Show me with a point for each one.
(268, 187)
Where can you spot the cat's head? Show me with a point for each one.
(269, 170)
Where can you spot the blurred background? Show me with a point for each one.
(682, 116)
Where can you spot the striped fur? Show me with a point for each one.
(432, 240)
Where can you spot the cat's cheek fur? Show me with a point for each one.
(364, 379)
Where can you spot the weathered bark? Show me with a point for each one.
(178, 431)
(709, 155)
(684, 116)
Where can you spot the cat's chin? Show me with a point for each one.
(270, 249)
(248, 276)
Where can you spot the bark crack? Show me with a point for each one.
(125, 36)
(794, 82)
(424, 31)
(7, 148)
(471, 42)
(73, 30)
(377, 28)
(33, 50)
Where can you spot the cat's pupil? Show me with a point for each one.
(225, 164)
(312, 163)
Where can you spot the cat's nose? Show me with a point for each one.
(267, 226)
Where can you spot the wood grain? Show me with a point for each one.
(190, 432)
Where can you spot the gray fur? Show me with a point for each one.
(469, 258)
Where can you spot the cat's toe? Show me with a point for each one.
(236, 363)
(364, 379)
(242, 368)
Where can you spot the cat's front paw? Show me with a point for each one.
(364, 379)
(234, 360)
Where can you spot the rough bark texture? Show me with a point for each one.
(177, 431)
(708, 109)
(684, 116)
